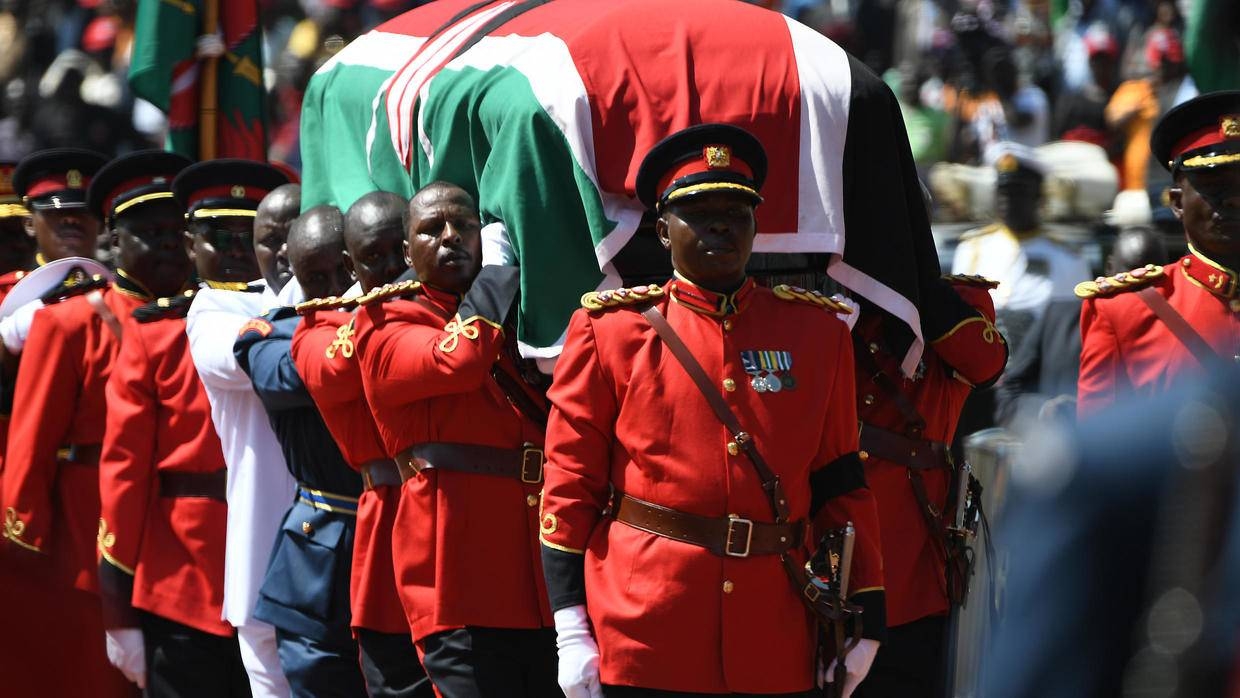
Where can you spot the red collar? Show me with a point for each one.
(1208, 274)
(708, 302)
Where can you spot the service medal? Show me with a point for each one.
(788, 381)
(758, 383)
(773, 384)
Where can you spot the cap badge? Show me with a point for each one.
(717, 156)
(1007, 163)
(237, 192)
(1229, 126)
(74, 179)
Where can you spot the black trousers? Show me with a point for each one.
(910, 664)
(321, 668)
(390, 666)
(183, 662)
(635, 692)
(492, 663)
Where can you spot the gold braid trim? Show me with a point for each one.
(970, 280)
(1123, 281)
(615, 298)
(810, 297)
(328, 303)
(14, 528)
(387, 291)
(105, 540)
(467, 328)
(343, 344)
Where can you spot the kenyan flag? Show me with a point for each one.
(544, 110)
(165, 72)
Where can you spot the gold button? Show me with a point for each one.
(733, 448)
(873, 348)
(727, 325)
(728, 586)
(306, 528)
(531, 499)
(863, 455)
(1187, 261)
(729, 384)
(868, 399)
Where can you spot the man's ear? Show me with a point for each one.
(408, 260)
(188, 238)
(1175, 200)
(114, 238)
(348, 264)
(661, 230)
(28, 224)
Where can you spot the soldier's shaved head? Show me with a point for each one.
(271, 227)
(374, 238)
(315, 247)
(444, 244)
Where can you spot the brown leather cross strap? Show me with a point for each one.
(770, 482)
(524, 464)
(732, 536)
(1189, 337)
(379, 473)
(212, 485)
(918, 454)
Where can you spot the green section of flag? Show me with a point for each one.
(489, 133)
(164, 35)
(1212, 44)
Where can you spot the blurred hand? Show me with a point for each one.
(210, 46)
(15, 328)
(857, 665)
(127, 652)
(578, 675)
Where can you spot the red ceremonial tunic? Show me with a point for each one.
(159, 421)
(465, 545)
(1126, 351)
(334, 378)
(626, 415)
(51, 496)
(972, 352)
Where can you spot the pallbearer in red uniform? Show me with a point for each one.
(906, 430)
(463, 426)
(324, 352)
(1146, 330)
(655, 521)
(161, 475)
(51, 476)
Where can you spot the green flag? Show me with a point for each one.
(1212, 44)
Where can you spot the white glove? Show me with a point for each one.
(857, 664)
(127, 652)
(496, 246)
(578, 654)
(849, 319)
(15, 328)
(210, 46)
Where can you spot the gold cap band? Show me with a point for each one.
(711, 186)
(153, 196)
(222, 212)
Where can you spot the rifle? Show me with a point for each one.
(829, 570)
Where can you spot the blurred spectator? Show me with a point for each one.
(1080, 114)
(928, 126)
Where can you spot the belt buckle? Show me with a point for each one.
(812, 592)
(531, 465)
(729, 547)
(408, 467)
(368, 480)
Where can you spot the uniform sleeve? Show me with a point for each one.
(407, 362)
(127, 476)
(840, 494)
(48, 382)
(960, 324)
(268, 360)
(1101, 368)
(211, 334)
(328, 369)
(580, 433)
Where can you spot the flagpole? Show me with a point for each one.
(209, 98)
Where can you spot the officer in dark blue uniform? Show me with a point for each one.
(305, 593)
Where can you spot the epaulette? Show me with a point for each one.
(328, 303)
(970, 280)
(75, 284)
(979, 232)
(811, 297)
(1123, 281)
(165, 308)
(618, 297)
(389, 291)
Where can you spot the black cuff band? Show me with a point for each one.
(491, 294)
(840, 476)
(873, 614)
(565, 573)
(116, 590)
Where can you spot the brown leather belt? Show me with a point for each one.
(82, 454)
(379, 473)
(210, 485)
(919, 454)
(730, 537)
(524, 464)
